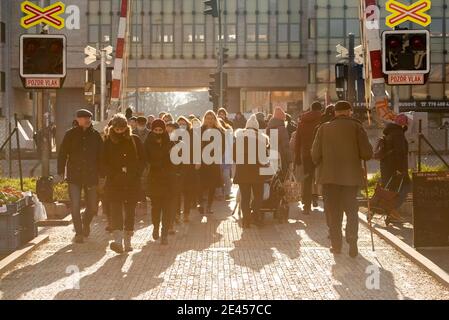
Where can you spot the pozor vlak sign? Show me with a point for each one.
(43, 61)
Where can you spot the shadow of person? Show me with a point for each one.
(362, 279)
(60, 265)
(257, 246)
(140, 274)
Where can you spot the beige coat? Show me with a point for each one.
(338, 150)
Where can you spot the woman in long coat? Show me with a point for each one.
(210, 174)
(124, 161)
(157, 151)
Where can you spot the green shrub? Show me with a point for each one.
(29, 184)
(375, 179)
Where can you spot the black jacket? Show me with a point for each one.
(396, 150)
(81, 152)
(161, 169)
(124, 163)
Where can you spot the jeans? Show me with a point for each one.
(246, 190)
(160, 212)
(122, 215)
(90, 194)
(307, 194)
(226, 171)
(338, 200)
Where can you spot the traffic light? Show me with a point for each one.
(42, 56)
(341, 80)
(214, 89)
(211, 8)
(224, 56)
(406, 52)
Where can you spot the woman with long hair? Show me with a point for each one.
(190, 180)
(226, 166)
(210, 174)
(124, 162)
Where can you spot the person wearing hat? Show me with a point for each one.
(157, 151)
(80, 162)
(394, 161)
(247, 172)
(338, 150)
(141, 129)
(124, 161)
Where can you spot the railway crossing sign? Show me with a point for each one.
(49, 15)
(415, 13)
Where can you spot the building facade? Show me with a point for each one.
(282, 52)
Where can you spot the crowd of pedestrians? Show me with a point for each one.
(132, 162)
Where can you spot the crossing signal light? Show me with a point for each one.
(42, 56)
(211, 8)
(406, 52)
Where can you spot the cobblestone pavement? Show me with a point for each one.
(213, 258)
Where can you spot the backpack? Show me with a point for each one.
(380, 150)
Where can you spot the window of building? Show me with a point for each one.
(194, 29)
(99, 21)
(2, 32)
(161, 20)
(2, 81)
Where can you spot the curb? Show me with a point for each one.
(17, 255)
(56, 222)
(410, 252)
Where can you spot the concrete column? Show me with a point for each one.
(241, 28)
(177, 32)
(234, 100)
(272, 28)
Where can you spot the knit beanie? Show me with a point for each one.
(279, 113)
(252, 123)
(401, 119)
(158, 123)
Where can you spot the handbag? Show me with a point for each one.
(292, 189)
(384, 198)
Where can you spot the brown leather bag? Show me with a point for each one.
(384, 198)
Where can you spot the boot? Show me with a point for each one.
(395, 216)
(186, 218)
(156, 233)
(117, 244)
(353, 250)
(127, 235)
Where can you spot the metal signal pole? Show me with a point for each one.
(221, 53)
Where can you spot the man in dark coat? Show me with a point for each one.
(339, 148)
(80, 155)
(157, 150)
(305, 134)
(277, 122)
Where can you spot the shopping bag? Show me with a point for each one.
(40, 213)
(292, 188)
(266, 191)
